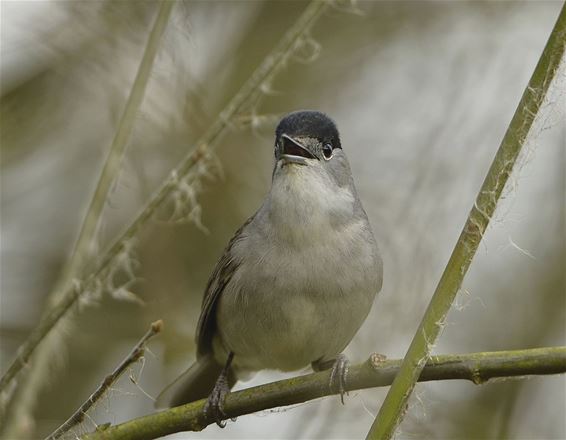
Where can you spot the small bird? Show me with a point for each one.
(296, 281)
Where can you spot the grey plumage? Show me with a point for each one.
(298, 279)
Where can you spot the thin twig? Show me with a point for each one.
(375, 372)
(41, 363)
(272, 64)
(393, 407)
(136, 354)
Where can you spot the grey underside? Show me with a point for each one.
(294, 284)
(297, 281)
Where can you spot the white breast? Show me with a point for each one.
(308, 276)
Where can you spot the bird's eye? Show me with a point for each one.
(327, 150)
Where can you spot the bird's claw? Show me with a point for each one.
(214, 407)
(338, 375)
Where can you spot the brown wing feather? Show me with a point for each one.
(221, 276)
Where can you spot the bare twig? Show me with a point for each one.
(136, 354)
(375, 372)
(393, 408)
(250, 91)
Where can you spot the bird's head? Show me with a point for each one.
(311, 140)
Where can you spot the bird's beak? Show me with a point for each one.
(292, 151)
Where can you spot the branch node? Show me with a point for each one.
(476, 377)
(376, 360)
(157, 326)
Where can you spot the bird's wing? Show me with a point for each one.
(221, 276)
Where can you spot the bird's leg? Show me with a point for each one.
(214, 406)
(337, 375)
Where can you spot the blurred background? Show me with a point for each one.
(422, 93)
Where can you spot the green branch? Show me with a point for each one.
(392, 410)
(375, 372)
(250, 91)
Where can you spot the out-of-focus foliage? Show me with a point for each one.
(422, 94)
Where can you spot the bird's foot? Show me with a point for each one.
(214, 407)
(338, 375)
(339, 371)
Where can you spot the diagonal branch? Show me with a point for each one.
(42, 362)
(270, 66)
(392, 410)
(135, 355)
(375, 372)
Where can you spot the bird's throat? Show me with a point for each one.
(304, 205)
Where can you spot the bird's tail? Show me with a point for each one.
(194, 384)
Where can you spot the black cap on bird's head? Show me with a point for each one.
(309, 123)
(306, 134)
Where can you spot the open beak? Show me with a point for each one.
(294, 152)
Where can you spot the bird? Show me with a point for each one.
(297, 279)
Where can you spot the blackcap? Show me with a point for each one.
(296, 281)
